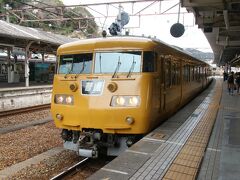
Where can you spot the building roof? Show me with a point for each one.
(13, 30)
(20, 36)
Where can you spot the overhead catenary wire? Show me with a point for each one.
(49, 12)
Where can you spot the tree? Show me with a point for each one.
(36, 10)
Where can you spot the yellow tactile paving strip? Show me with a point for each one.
(186, 164)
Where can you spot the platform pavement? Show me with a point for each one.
(222, 158)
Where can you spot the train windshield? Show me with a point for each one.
(76, 64)
(114, 62)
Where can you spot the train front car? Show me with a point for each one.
(102, 99)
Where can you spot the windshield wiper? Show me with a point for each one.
(117, 68)
(70, 70)
(100, 63)
(83, 67)
(131, 68)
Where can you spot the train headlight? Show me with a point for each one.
(133, 101)
(63, 99)
(59, 99)
(121, 101)
(69, 100)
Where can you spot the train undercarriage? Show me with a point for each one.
(93, 142)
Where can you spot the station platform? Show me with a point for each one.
(16, 95)
(5, 85)
(201, 141)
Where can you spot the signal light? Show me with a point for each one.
(114, 29)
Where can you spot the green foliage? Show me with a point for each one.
(12, 3)
(82, 27)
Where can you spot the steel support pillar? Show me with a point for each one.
(26, 63)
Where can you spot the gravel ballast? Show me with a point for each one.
(23, 117)
(23, 144)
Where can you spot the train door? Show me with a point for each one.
(162, 84)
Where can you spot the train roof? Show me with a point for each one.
(123, 42)
(109, 43)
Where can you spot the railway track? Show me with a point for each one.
(23, 110)
(83, 169)
(70, 170)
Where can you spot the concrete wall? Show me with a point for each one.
(14, 98)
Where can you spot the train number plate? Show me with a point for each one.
(92, 87)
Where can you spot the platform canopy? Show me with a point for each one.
(12, 35)
(220, 22)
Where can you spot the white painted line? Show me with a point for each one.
(179, 144)
(137, 152)
(115, 171)
(151, 139)
(211, 149)
(163, 141)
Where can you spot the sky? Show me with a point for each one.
(154, 25)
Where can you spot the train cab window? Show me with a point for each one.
(122, 62)
(76, 64)
(149, 61)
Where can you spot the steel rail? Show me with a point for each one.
(70, 169)
(23, 110)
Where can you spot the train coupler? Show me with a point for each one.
(91, 153)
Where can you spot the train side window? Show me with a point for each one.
(196, 73)
(149, 61)
(168, 74)
(187, 73)
(202, 72)
(175, 73)
(192, 73)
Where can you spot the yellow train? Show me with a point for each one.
(108, 92)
